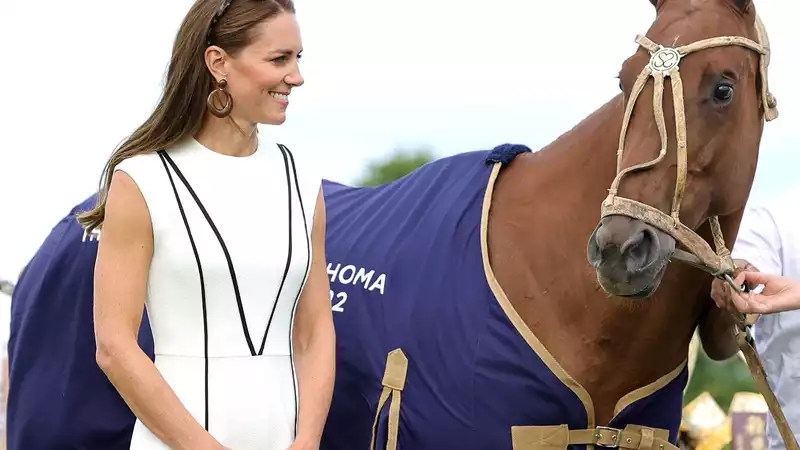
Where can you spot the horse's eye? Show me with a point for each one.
(723, 93)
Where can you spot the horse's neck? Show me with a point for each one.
(544, 209)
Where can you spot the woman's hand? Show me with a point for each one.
(780, 294)
(721, 291)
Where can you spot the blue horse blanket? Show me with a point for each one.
(408, 276)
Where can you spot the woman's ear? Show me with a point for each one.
(215, 61)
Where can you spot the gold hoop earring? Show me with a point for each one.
(221, 85)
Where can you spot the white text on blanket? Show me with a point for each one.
(350, 274)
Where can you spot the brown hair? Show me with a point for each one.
(180, 111)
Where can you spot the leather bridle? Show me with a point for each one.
(664, 63)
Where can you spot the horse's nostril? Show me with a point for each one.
(641, 250)
(634, 243)
(632, 246)
(607, 238)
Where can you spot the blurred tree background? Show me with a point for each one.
(722, 379)
(397, 165)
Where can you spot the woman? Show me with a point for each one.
(211, 227)
(779, 294)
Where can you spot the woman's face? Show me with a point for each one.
(261, 77)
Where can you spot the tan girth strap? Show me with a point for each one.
(394, 381)
(664, 62)
(558, 437)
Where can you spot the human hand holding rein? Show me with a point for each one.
(721, 291)
(780, 293)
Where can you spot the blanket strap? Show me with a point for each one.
(559, 437)
(394, 380)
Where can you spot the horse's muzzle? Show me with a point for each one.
(630, 256)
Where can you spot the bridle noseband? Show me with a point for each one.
(664, 63)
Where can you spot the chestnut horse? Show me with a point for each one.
(654, 175)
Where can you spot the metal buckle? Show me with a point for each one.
(749, 337)
(727, 277)
(607, 437)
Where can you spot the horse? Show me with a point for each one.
(506, 298)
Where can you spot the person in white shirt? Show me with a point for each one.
(769, 242)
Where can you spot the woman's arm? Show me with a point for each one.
(121, 273)
(315, 342)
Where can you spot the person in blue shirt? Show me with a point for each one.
(58, 396)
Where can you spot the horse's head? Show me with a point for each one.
(696, 97)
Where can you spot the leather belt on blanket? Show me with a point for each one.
(558, 437)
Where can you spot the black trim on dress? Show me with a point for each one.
(163, 155)
(289, 252)
(305, 278)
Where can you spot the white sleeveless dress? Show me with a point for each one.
(232, 251)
